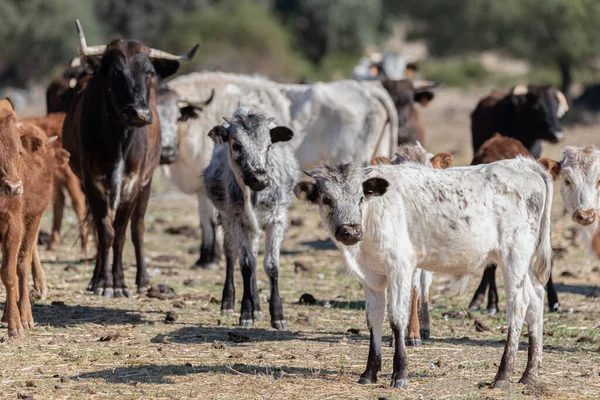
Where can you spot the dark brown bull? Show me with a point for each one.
(405, 93)
(113, 135)
(529, 114)
(495, 149)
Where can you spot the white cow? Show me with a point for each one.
(579, 171)
(339, 121)
(390, 219)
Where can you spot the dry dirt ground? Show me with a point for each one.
(90, 347)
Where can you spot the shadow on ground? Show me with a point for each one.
(59, 314)
(159, 374)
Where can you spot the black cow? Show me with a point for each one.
(529, 114)
(113, 135)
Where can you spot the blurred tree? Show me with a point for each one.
(325, 27)
(559, 32)
(38, 35)
(144, 20)
(239, 36)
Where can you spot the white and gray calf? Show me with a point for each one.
(579, 172)
(250, 181)
(419, 321)
(389, 220)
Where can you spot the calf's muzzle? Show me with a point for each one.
(12, 189)
(584, 217)
(349, 234)
(257, 180)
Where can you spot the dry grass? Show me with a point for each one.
(317, 358)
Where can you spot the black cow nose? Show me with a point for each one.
(256, 181)
(138, 116)
(349, 234)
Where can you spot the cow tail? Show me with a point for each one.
(543, 262)
(392, 121)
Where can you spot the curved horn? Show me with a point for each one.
(199, 105)
(423, 84)
(520, 90)
(563, 105)
(82, 47)
(163, 55)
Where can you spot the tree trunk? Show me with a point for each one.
(566, 76)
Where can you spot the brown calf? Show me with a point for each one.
(27, 163)
(64, 180)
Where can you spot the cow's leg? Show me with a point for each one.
(535, 322)
(492, 305)
(479, 295)
(11, 242)
(515, 274)
(375, 315)
(102, 281)
(38, 274)
(58, 206)
(142, 280)
(78, 203)
(274, 235)
(257, 313)
(228, 298)
(414, 328)
(209, 248)
(553, 303)
(32, 227)
(248, 267)
(122, 218)
(399, 291)
(426, 279)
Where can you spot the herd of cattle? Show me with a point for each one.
(396, 212)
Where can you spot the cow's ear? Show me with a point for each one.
(551, 166)
(31, 143)
(442, 160)
(379, 160)
(306, 190)
(189, 112)
(62, 157)
(165, 68)
(281, 134)
(219, 134)
(424, 97)
(375, 187)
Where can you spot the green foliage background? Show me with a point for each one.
(291, 40)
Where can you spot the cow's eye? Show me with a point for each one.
(568, 183)
(237, 147)
(327, 201)
(361, 200)
(598, 184)
(269, 148)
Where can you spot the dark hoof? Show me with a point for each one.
(90, 287)
(413, 342)
(500, 384)
(527, 380)
(492, 311)
(366, 381)
(109, 293)
(425, 334)
(246, 323)
(399, 383)
(227, 313)
(554, 308)
(210, 266)
(258, 315)
(280, 325)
